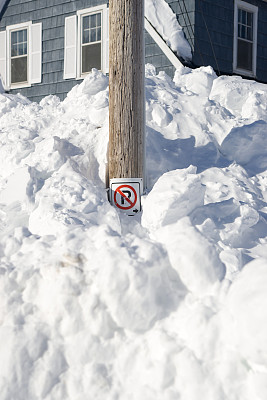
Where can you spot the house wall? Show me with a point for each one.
(155, 56)
(208, 25)
(209, 28)
(214, 29)
(52, 14)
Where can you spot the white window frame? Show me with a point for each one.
(104, 34)
(14, 28)
(239, 4)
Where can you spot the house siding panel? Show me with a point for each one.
(208, 26)
(52, 14)
(214, 27)
(155, 56)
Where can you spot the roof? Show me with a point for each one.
(2, 3)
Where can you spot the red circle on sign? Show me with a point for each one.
(119, 191)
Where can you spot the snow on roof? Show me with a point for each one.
(164, 20)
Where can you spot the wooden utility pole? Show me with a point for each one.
(126, 89)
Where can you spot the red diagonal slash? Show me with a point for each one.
(126, 198)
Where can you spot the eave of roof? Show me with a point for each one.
(2, 3)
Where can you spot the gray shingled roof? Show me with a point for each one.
(2, 2)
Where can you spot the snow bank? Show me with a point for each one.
(246, 303)
(164, 20)
(168, 304)
(173, 196)
(248, 146)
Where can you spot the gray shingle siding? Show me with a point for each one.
(52, 14)
(213, 41)
(208, 26)
(155, 56)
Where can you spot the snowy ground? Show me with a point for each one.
(168, 305)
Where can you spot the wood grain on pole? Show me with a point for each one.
(126, 89)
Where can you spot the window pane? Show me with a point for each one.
(18, 43)
(98, 36)
(86, 36)
(19, 70)
(85, 22)
(14, 39)
(91, 28)
(250, 19)
(239, 15)
(244, 55)
(244, 17)
(91, 57)
(98, 19)
(243, 32)
(93, 35)
(240, 30)
(25, 48)
(14, 50)
(93, 21)
(20, 36)
(20, 49)
(245, 20)
(25, 35)
(249, 34)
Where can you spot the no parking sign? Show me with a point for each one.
(125, 194)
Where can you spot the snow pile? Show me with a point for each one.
(168, 304)
(164, 20)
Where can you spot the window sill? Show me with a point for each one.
(19, 85)
(84, 75)
(244, 72)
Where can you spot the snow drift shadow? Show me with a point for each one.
(247, 145)
(164, 155)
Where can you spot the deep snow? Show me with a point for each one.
(167, 305)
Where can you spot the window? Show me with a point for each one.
(91, 42)
(245, 38)
(86, 42)
(21, 55)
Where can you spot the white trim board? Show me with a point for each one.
(162, 45)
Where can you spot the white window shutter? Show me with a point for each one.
(3, 59)
(70, 50)
(35, 45)
(106, 42)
